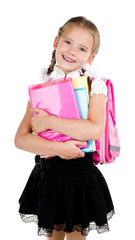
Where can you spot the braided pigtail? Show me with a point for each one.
(83, 71)
(53, 61)
(88, 80)
(89, 84)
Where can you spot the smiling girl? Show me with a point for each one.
(68, 195)
(74, 49)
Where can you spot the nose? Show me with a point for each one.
(72, 50)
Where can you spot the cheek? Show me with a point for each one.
(61, 46)
(83, 59)
(59, 51)
(86, 57)
(57, 56)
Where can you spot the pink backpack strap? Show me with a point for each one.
(111, 98)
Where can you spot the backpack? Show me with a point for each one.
(108, 147)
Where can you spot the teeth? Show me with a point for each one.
(69, 60)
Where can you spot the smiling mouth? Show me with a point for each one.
(67, 59)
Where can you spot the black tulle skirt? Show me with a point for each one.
(66, 195)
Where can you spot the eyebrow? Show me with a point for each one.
(72, 40)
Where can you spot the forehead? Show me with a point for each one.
(79, 34)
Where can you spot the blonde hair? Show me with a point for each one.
(84, 23)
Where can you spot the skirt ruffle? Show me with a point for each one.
(68, 195)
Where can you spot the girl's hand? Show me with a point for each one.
(69, 149)
(39, 122)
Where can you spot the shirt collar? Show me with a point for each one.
(58, 73)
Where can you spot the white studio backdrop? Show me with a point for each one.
(27, 31)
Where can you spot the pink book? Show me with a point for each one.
(56, 98)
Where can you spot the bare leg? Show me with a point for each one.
(57, 235)
(75, 236)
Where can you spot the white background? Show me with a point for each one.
(27, 31)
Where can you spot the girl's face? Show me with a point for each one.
(73, 49)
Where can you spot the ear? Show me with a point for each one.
(91, 58)
(56, 41)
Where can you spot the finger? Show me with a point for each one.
(37, 110)
(79, 155)
(82, 154)
(79, 142)
(34, 131)
(32, 122)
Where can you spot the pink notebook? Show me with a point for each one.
(56, 98)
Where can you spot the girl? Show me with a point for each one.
(67, 198)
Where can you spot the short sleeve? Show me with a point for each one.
(98, 86)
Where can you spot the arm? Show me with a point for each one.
(25, 140)
(82, 129)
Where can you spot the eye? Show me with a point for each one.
(67, 42)
(82, 49)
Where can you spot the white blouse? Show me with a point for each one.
(97, 87)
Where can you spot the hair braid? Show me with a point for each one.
(53, 61)
(88, 80)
